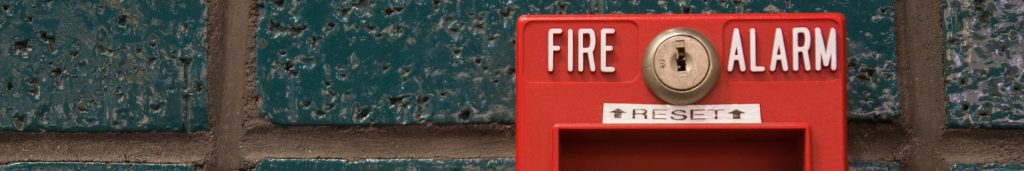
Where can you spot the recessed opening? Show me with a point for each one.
(681, 149)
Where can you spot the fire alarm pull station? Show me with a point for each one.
(681, 92)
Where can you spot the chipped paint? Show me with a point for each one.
(984, 68)
(452, 62)
(103, 66)
(874, 166)
(988, 167)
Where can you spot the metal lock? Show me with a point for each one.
(566, 107)
(680, 66)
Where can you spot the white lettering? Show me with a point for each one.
(568, 54)
(585, 50)
(779, 52)
(801, 48)
(824, 53)
(605, 48)
(753, 52)
(552, 48)
(580, 47)
(736, 52)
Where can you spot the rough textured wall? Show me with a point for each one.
(103, 66)
(428, 84)
(448, 62)
(984, 63)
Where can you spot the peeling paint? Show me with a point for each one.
(874, 166)
(988, 167)
(984, 70)
(452, 62)
(103, 66)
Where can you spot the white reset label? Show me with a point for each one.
(626, 113)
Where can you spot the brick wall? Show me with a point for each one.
(389, 85)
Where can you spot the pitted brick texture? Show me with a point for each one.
(984, 63)
(452, 62)
(103, 65)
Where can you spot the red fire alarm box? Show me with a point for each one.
(681, 92)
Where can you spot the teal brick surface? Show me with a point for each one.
(988, 167)
(93, 166)
(95, 65)
(452, 62)
(984, 63)
(874, 166)
(385, 164)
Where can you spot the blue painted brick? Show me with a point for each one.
(94, 65)
(874, 166)
(988, 167)
(452, 62)
(984, 66)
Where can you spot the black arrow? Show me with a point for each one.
(618, 112)
(736, 113)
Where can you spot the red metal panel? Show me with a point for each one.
(548, 102)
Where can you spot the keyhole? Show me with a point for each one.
(681, 59)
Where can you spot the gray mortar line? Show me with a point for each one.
(919, 63)
(380, 142)
(142, 147)
(915, 139)
(874, 141)
(262, 140)
(235, 40)
(982, 146)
